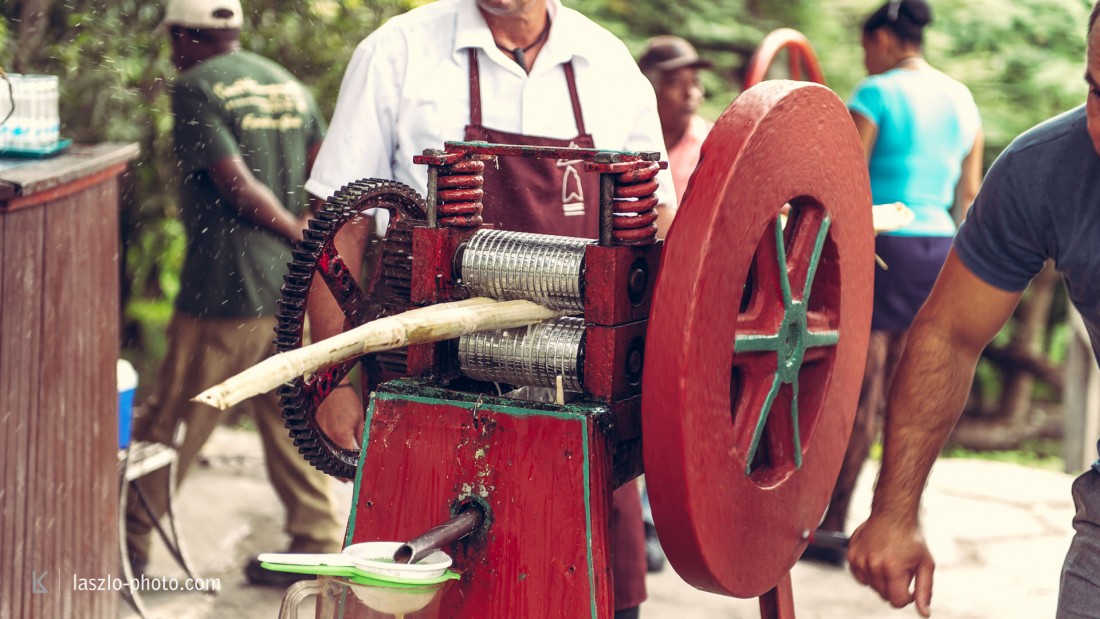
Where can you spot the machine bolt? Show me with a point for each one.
(637, 281)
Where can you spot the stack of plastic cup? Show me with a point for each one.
(35, 123)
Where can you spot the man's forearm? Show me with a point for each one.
(325, 315)
(253, 200)
(665, 215)
(258, 206)
(929, 391)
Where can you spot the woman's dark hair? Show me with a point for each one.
(905, 18)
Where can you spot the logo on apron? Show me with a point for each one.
(572, 192)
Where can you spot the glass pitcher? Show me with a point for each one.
(340, 598)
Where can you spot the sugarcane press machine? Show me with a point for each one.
(725, 362)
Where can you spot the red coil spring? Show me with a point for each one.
(459, 189)
(635, 218)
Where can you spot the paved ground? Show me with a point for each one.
(998, 531)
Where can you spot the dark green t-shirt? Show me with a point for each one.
(238, 104)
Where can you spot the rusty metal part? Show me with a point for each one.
(829, 539)
(462, 524)
(634, 205)
(646, 235)
(626, 222)
(459, 190)
(639, 206)
(800, 53)
(627, 186)
(757, 338)
(388, 292)
(533, 356)
(519, 265)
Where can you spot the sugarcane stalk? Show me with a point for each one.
(434, 323)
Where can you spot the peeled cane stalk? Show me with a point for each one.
(434, 323)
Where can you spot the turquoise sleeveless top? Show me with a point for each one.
(926, 123)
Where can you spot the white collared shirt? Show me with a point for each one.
(406, 89)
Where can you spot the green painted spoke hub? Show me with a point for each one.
(789, 342)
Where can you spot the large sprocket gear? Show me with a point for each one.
(386, 293)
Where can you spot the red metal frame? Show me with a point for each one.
(800, 53)
(542, 474)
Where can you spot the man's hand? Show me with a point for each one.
(341, 417)
(887, 557)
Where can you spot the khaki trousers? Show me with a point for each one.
(201, 353)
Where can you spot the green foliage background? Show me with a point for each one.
(1023, 60)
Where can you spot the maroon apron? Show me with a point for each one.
(547, 196)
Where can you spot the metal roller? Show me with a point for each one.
(533, 356)
(534, 267)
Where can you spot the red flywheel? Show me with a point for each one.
(753, 365)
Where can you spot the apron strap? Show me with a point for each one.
(475, 88)
(571, 79)
(475, 92)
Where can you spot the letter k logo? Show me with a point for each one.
(37, 582)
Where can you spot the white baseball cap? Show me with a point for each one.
(213, 14)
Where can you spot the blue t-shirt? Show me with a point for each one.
(926, 124)
(1039, 201)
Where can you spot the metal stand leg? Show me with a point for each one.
(173, 542)
(131, 596)
(779, 602)
(151, 457)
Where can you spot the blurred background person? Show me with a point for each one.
(672, 65)
(922, 134)
(245, 134)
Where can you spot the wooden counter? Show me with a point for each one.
(59, 341)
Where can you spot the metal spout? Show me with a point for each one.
(461, 525)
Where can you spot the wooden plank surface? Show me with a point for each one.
(21, 264)
(78, 161)
(58, 402)
(544, 476)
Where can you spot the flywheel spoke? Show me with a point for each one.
(821, 337)
(321, 383)
(340, 282)
(756, 342)
(781, 262)
(768, 276)
(783, 452)
(794, 435)
(757, 408)
(810, 229)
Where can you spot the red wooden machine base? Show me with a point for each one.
(541, 472)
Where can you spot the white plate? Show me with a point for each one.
(333, 559)
(377, 558)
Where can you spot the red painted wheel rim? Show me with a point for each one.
(733, 497)
(800, 55)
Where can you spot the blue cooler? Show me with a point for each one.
(127, 384)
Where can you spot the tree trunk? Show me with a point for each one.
(1027, 341)
(1002, 435)
(29, 37)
